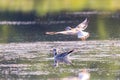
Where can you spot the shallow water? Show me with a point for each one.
(28, 61)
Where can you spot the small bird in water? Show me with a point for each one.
(78, 30)
(61, 57)
(84, 75)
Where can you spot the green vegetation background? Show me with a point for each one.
(41, 7)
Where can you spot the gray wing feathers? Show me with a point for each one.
(64, 54)
(83, 25)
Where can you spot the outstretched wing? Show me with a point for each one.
(65, 54)
(83, 25)
(68, 32)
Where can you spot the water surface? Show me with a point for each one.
(102, 26)
(26, 52)
(35, 60)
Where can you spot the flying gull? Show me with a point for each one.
(78, 31)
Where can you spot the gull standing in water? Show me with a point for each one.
(78, 30)
(61, 57)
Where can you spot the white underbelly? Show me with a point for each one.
(82, 34)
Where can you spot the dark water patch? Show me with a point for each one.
(102, 26)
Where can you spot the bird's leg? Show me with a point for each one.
(68, 61)
(55, 63)
(71, 64)
(83, 38)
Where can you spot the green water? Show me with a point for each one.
(26, 52)
(102, 26)
(34, 61)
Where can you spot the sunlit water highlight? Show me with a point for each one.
(35, 60)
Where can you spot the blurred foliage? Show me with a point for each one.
(42, 7)
(102, 31)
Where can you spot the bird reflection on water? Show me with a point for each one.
(83, 75)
